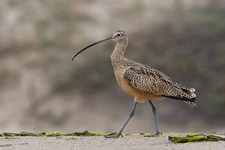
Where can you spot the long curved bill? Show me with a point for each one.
(93, 44)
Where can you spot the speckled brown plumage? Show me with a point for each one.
(144, 82)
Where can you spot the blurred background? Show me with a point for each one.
(42, 90)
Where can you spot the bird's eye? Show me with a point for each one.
(118, 34)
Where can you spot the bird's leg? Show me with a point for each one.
(129, 117)
(155, 118)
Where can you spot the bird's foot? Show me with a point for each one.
(113, 136)
(154, 135)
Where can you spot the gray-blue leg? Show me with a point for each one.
(155, 118)
(129, 117)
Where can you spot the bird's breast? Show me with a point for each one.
(122, 81)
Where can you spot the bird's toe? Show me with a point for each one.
(154, 135)
(113, 136)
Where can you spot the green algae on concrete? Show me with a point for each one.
(84, 133)
(22, 134)
(192, 138)
(153, 135)
(88, 133)
(27, 134)
(54, 134)
(9, 134)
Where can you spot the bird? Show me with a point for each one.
(142, 82)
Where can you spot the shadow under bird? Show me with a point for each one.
(141, 81)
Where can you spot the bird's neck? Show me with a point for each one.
(118, 53)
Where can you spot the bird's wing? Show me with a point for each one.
(152, 81)
(146, 80)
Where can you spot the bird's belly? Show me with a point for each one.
(138, 95)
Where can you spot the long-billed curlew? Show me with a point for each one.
(142, 82)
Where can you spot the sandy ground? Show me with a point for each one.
(100, 143)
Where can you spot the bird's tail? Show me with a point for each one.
(187, 95)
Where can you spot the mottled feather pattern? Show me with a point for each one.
(152, 81)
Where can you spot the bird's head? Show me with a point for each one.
(119, 35)
(116, 37)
